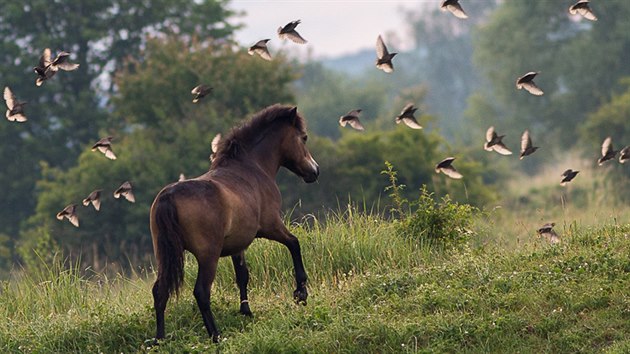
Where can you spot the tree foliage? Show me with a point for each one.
(69, 111)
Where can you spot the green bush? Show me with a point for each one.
(427, 221)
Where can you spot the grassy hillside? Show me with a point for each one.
(372, 289)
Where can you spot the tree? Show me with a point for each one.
(69, 111)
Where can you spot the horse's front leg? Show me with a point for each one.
(282, 235)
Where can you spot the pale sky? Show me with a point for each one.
(332, 28)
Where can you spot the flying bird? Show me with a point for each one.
(527, 82)
(70, 213)
(567, 176)
(546, 232)
(125, 191)
(15, 108)
(94, 198)
(48, 67)
(289, 32)
(495, 142)
(214, 145)
(43, 68)
(454, 7)
(260, 48)
(406, 116)
(624, 154)
(582, 8)
(526, 145)
(608, 153)
(200, 91)
(445, 166)
(352, 118)
(383, 57)
(105, 146)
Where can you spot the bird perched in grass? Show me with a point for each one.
(446, 167)
(454, 7)
(261, 49)
(70, 213)
(383, 56)
(608, 153)
(126, 191)
(94, 198)
(15, 108)
(352, 118)
(407, 116)
(495, 142)
(547, 232)
(289, 32)
(582, 8)
(568, 176)
(526, 145)
(527, 82)
(200, 91)
(105, 146)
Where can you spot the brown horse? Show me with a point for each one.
(221, 212)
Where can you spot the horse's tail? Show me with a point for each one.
(170, 247)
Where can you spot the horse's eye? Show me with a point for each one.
(305, 138)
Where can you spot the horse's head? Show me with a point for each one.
(295, 154)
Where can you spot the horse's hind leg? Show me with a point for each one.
(160, 298)
(205, 277)
(242, 278)
(282, 235)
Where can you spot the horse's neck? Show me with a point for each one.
(265, 156)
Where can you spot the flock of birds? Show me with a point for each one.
(45, 70)
(48, 67)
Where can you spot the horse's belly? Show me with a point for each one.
(233, 244)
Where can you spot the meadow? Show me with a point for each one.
(441, 277)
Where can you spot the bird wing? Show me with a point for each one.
(409, 108)
(197, 89)
(456, 9)
(294, 36)
(490, 134)
(526, 141)
(451, 172)
(387, 67)
(45, 60)
(624, 154)
(18, 117)
(356, 124)
(444, 163)
(109, 153)
(501, 149)
(9, 98)
(381, 49)
(74, 220)
(263, 52)
(531, 87)
(587, 13)
(606, 146)
(67, 66)
(411, 122)
(215, 142)
(129, 196)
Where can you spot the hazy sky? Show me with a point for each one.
(331, 27)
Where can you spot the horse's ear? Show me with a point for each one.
(293, 114)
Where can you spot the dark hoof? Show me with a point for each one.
(300, 295)
(246, 311)
(216, 338)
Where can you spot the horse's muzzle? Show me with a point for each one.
(313, 174)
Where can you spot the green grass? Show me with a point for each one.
(371, 290)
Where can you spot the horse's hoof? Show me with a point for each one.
(300, 295)
(150, 343)
(246, 312)
(216, 338)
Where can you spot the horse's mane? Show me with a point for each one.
(252, 130)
